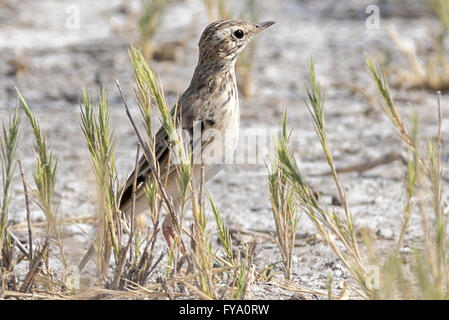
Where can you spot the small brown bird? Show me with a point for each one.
(210, 102)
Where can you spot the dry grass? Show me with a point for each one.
(8, 257)
(40, 273)
(100, 142)
(45, 180)
(8, 147)
(426, 275)
(336, 230)
(284, 207)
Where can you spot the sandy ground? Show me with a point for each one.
(59, 62)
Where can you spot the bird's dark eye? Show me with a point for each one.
(238, 34)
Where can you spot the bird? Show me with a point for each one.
(211, 104)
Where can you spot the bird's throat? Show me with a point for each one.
(206, 71)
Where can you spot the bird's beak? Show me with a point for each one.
(263, 25)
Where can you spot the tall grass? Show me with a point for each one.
(9, 257)
(8, 143)
(95, 124)
(426, 275)
(45, 171)
(337, 230)
(45, 179)
(8, 147)
(429, 274)
(284, 207)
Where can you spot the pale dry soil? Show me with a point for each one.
(59, 62)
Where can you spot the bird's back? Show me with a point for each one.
(210, 102)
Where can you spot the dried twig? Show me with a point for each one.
(27, 206)
(18, 243)
(34, 269)
(124, 251)
(368, 165)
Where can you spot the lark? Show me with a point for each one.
(210, 102)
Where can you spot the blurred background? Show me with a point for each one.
(52, 48)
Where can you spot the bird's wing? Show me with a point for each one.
(187, 115)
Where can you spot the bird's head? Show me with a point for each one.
(224, 40)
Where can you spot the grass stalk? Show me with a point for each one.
(45, 178)
(100, 141)
(284, 207)
(8, 145)
(327, 222)
(428, 277)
